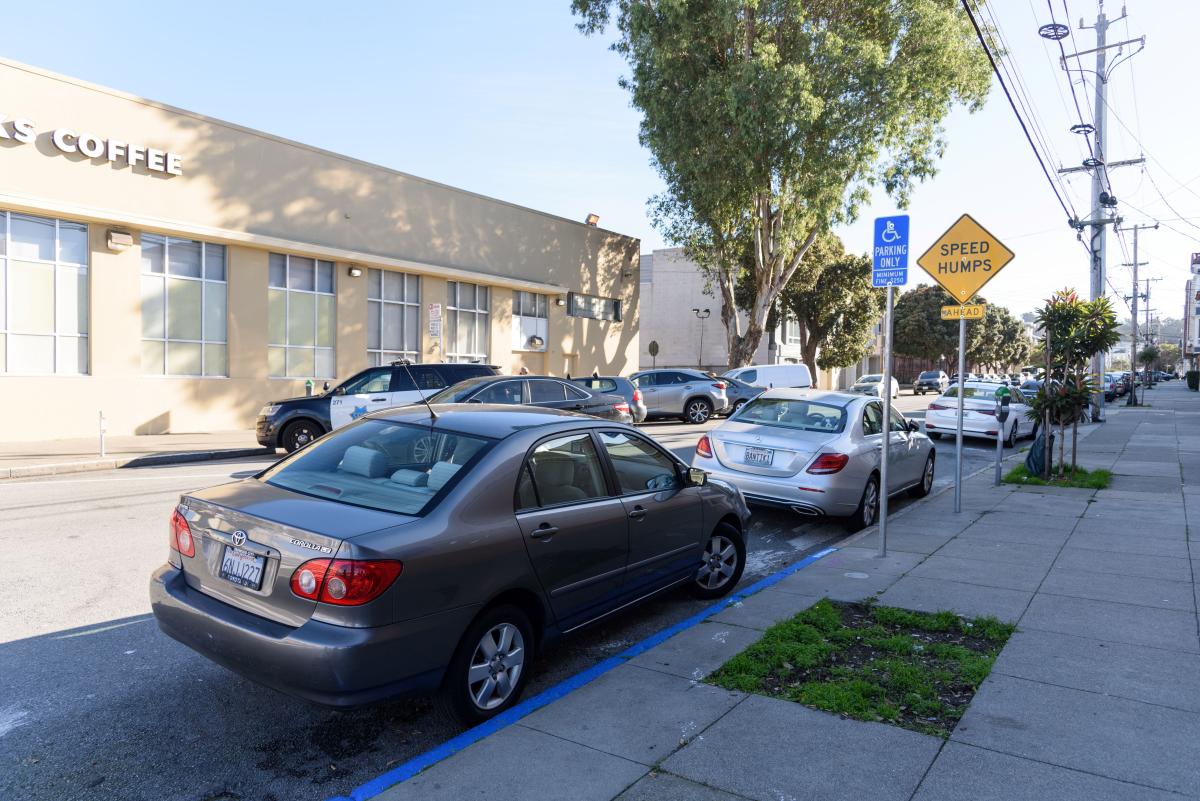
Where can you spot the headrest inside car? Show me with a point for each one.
(410, 478)
(440, 473)
(364, 462)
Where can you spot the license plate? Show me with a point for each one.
(763, 456)
(242, 567)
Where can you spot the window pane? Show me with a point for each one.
(32, 237)
(276, 361)
(567, 470)
(152, 357)
(412, 337)
(71, 317)
(466, 296)
(412, 289)
(325, 321)
(183, 358)
(214, 312)
(153, 253)
(545, 391)
(300, 362)
(302, 320)
(278, 270)
(30, 354)
(277, 317)
(183, 257)
(31, 289)
(183, 309)
(214, 262)
(373, 325)
(462, 342)
(72, 243)
(3, 304)
(215, 360)
(326, 363)
(392, 325)
(72, 355)
(373, 279)
(301, 274)
(638, 465)
(541, 305)
(325, 276)
(481, 298)
(393, 286)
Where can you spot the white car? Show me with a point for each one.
(872, 384)
(979, 413)
(773, 376)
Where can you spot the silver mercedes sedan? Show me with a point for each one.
(438, 549)
(817, 453)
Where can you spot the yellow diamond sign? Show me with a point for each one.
(965, 258)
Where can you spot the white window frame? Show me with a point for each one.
(378, 357)
(289, 293)
(6, 257)
(481, 316)
(791, 331)
(530, 313)
(165, 339)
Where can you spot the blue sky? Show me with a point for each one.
(509, 100)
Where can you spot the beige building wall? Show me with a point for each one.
(257, 194)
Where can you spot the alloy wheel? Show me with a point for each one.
(870, 503)
(698, 412)
(927, 479)
(718, 563)
(496, 666)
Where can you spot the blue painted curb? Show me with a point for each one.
(402, 773)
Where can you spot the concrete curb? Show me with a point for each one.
(150, 460)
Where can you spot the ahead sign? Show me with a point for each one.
(974, 312)
(965, 258)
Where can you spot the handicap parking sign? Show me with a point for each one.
(889, 254)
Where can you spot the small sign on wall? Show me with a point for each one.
(435, 320)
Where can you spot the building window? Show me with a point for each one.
(594, 307)
(467, 319)
(184, 295)
(393, 317)
(791, 332)
(529, 321)
(43, 295)
(300, 318)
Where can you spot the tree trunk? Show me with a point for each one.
(808, 352)
(1062, 447)
(1074, 444)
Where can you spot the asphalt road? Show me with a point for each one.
(95, 703)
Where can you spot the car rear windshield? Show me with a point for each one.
(802, 415)
(392, 467)
(457, 393)
(984, 391)
(930, 374)
(870, 379)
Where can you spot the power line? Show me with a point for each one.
(983, 43)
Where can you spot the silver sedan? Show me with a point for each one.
(817, 453)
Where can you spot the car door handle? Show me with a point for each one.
(378, 399)
(544, 530)
(637, 513)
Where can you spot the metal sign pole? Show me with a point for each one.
(887, 425)
(958, 432)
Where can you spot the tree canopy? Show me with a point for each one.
(996, 342)
(770, 120)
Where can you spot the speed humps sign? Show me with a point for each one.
(965, 258)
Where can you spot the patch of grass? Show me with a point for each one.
(1083, 479)
(912, 669)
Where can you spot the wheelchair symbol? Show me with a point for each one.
(890, 234)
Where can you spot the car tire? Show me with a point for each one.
(697, 411)
(299, 433)
(737, 406)
(926, 485)
(868, 507)
(720, 568)
(472, 689)
(934, 434)
(1011, 440)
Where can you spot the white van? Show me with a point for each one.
(770, 376)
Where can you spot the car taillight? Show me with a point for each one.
(937, 406)
(344, 582)
(704, 447)
(991, 412)
(828, 463)
(719, 385)
(181, 535)
(622, 407)
(637, 396)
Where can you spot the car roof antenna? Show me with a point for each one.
(405, 363)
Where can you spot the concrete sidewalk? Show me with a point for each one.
(1097, 695)
(21, 459)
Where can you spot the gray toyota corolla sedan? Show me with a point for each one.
(406, 554)
(817, 453)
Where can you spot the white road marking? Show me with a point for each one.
(11, 718)
(99, 629)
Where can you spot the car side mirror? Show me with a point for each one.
(696, 477)
(325, 387)
(338, 390)
(913, 425)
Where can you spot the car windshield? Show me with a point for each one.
(457, 393)
(802, 415)
(379, 464)
(930, 374)
(973, 391)
(870, 379)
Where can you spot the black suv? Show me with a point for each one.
(295, 422)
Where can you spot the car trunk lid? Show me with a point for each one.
(251, 536)
(766, 450)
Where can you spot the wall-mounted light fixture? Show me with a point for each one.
(119, 240)
(560, 301)
(355, 272)
(593, 220)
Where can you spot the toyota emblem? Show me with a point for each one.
(239, 537)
